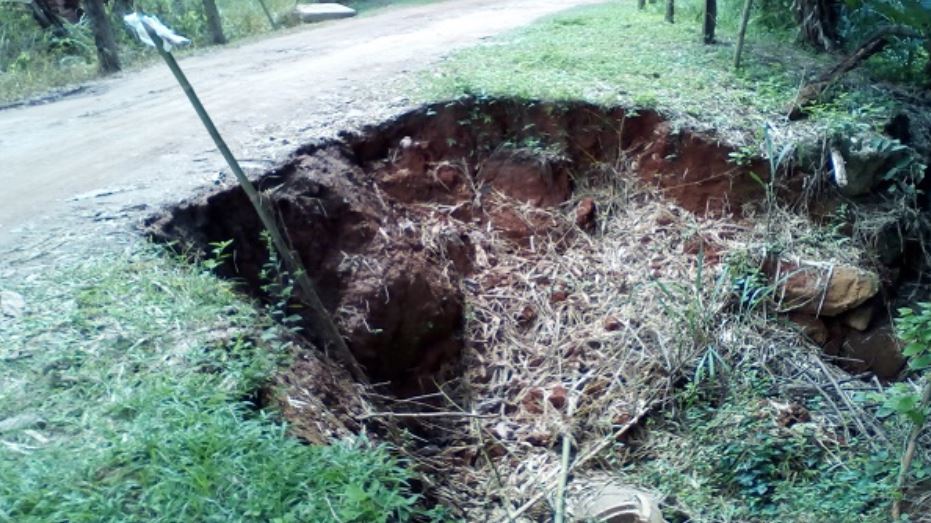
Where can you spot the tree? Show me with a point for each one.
(818, 21)
(742, 32)
(671, 11)
(107, 52)
(711, 20)
(46, 17)
(214, 22)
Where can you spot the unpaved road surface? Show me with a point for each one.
(126, 145)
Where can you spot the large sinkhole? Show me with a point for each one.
(497, 266)
(355, 210)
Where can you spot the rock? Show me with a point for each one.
(527, 316)
(812, 327)
(533, 401)
(559, 296)
(867, 158)
(11, 304)
(558, 397)
(609, 502)
(585, 214)
(310, 13)
(611, 324)
(859, 318)
(820, 289)
(878, 350)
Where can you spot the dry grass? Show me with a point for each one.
(581, 335)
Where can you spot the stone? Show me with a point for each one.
(558, 397)
(585, 214)
(812, 327)
(611, 324)
(878, 350)
(310, 13)
(820, 289)
(859, 318)
(12, 304)
(533, 401)
(867, 158)
(610, 502)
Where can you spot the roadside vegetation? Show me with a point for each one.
(128, 391)
(616, 55)
(35, 59)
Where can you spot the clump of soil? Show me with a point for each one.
(505, 271)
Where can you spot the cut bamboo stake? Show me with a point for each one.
(321, 321)
(742, 33)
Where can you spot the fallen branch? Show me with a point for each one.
(874, 44)
(426, 415)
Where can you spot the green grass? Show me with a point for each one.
(124, 397)
(614, 54)
(727, 459)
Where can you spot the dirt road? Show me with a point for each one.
(130, 143)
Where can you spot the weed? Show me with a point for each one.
(729, 459)
(121, 399)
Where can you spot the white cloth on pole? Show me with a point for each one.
(169, 38)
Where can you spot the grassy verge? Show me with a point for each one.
(739, 455)
(124, 396)
(615, 54)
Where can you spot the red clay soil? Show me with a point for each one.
(503, 166)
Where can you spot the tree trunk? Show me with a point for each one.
(46, 17)
(742, 32)
(641, 4)
(711, 20)
(871, 46)
(817, 21)
(214, 22)
(671, 11)
(107, 53)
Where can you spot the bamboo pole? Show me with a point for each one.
(320, 319)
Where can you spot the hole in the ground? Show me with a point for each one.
(491, 259)
(354, 210)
